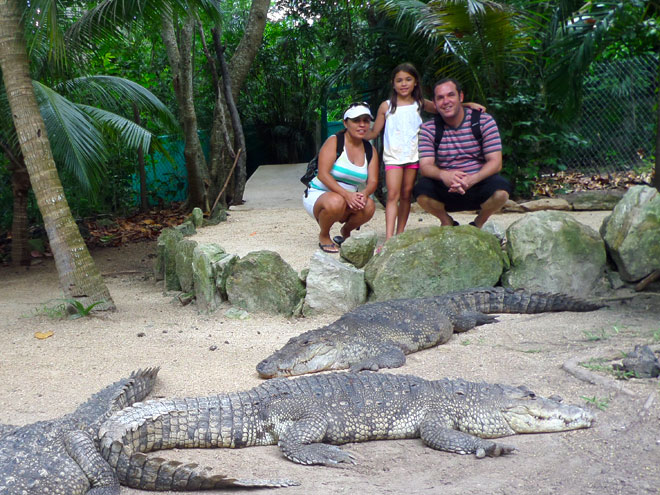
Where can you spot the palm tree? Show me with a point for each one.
(77, 136)
(481, 43)
(78, 275)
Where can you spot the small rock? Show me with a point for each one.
(237, 314)
(141, 334)
(213, 348)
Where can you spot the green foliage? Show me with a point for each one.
(295, 75)
(66, 308)
(601, 403)
(600, 365)
(532, 143)
(76, 309)
(603, 334)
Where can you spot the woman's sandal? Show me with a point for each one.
(329, 248)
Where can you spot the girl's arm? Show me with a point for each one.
(430, 107)
(474, 106)
(379, 123)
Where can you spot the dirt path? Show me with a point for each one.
(41, 379)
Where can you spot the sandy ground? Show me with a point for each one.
(42, 379)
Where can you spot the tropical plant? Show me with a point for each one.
(79, 135)
(79, 277)
(178, 22)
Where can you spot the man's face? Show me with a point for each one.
(447, 100)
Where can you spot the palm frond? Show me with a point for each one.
(111, 92)
(41, 19)
(573, 48)
(108, 18)
(75, 140)
(133, 135)
(478, 41)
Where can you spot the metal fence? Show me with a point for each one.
(616, 131)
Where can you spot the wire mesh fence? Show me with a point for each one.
(616, 132)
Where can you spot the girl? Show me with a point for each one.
(402, 112)
(334, 194)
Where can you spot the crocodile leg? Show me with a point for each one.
(393, 357)
(301, 426)
(102, 477)
(467, 320)
(440, 437)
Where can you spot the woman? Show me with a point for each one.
(334, 194)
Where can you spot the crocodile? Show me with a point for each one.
(59, 456)
(309, 416)
(379, 335)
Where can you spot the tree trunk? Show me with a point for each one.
(656, 182)
(20, 186)
(241, 61)
(142, 171)
(78, 275)
(180, 56)
(240, 175)
(239, 67)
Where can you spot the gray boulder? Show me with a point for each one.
(205, 269)
(605, 199)
(165, 263)
(223, 268)
(197, 217)
(219, 214)
(263, 282)
(494, 229)
(546, 204)
(183, 263)
(187, 228)
(550, 251)
(433, 261)
(333, 286)
(359, 248)
(632, 233)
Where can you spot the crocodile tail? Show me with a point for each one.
(505, 300)
(139, 384)
(227, 420)
(115, 397)
(158, 474)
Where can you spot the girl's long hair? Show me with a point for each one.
(416, 92)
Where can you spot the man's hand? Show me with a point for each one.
(457, 181)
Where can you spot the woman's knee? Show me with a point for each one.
(332, 203)
(370, 208)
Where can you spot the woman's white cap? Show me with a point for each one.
(357, 110)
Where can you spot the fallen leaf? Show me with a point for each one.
(43, 335)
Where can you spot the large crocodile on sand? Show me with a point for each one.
(59, 456)
(308, 416)
(379, 335)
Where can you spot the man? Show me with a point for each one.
(462, 174)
